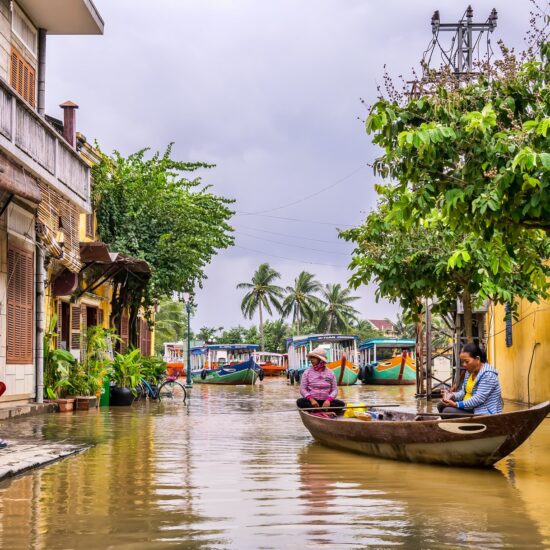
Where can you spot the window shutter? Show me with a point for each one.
(23, 77)
(84, 328)
(90, 225)
(100, 317)
(75, 328)
(124, 322)
(144, 338)
(20, 294)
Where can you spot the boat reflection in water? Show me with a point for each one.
(409, 505)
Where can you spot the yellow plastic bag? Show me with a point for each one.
(352, 408)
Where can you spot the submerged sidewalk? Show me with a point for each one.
(23, 455)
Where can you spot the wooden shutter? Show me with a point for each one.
(23, 77)
(19, 313)
(144, 338)
(124, 326)
(75, 328)
(100, 317)
(83, 328)
(90, 225)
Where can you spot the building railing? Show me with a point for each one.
(58, 163)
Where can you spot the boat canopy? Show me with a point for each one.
(229, 347)
(387, 343)
(298, 341)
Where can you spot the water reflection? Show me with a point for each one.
(232, 471)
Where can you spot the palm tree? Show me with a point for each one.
(300, 299)
(338, 314)
(170, 323)
(262, 293)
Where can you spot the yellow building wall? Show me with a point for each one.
(524, 368)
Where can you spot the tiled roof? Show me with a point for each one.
(382, 324)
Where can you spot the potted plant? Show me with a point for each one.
(152, 370)
(125, 375)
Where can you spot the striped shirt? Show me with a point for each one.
(486, 395)
(319, 384)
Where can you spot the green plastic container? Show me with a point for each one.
(105, 392)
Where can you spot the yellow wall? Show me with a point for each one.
(532, 327)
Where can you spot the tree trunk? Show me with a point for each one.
(298, 321)
(468, 324)
(261, 328)
(133, 326)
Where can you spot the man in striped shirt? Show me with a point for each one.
(318, 386)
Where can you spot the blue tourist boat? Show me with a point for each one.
(228, 364)
(388, 361)
(342, 356)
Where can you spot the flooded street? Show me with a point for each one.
(231, 471)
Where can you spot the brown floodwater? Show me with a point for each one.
(230, 471)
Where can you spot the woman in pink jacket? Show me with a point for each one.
(318, 386)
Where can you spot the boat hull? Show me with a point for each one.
(392, 372)
(244, 373)
(477, 441)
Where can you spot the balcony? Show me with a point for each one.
(31, 140)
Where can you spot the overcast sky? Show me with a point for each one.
(268, 90)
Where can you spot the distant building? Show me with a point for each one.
(385, 326)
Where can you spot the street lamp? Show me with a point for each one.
(186, 298)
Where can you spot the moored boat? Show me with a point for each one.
(229, 364)
(273, 364)
(342, 356)
(388, 361)
(468, 441)
(173, 357)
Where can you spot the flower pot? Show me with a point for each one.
(121, 397)
(85, 403)
(65, 405)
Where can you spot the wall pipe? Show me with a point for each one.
(41, 103)
(529, 374)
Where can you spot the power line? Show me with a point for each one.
(298, 201)
(237, 212)
(285, 234)
(285, 258)
(293, 245)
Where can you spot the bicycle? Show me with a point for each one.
(169, 388)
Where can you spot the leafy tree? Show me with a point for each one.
(471, 165)
(208, 334)
(234, 335)
(365, 331)
(170, 324)
(276, 333)
(262, 293)
(337, 314)
(403, 328)
(300, 299)
(147, 209)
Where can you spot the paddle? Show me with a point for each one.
(342, 369)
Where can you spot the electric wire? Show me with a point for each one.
(292, 245)
(298, 201)
(285, 234)
(237, 212)
(288, 259)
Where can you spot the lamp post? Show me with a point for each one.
(186, 296)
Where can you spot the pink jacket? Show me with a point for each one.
(319, 384)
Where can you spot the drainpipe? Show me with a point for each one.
(41, 104)
(40, 323)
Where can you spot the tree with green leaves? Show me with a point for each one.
(261, 294)
(301, 298)
(469, 167)
(364, 330)
(148, 208)
(276, 333)
(208, 334)
(336, 314)
(170, 323)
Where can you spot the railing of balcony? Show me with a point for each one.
(33, 135)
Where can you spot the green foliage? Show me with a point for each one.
(262, 294)
(208, 334)
(170, 324)
(301, 299)
(335, 312)
(467, 168)
(147, 209)
(152, 369)
(365, 331)
(127, 369)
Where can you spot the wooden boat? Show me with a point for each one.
(388, 361)
(469, 441)
(273, 364)
(173, 357)
(342, 356)
(228, 364)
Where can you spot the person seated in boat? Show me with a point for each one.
(480, 393)
(318, 386)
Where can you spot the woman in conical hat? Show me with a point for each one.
(318, 386)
